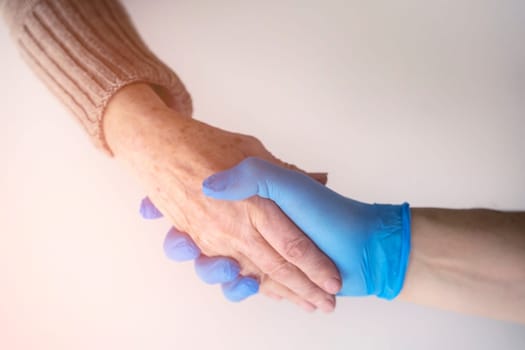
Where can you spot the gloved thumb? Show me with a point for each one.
(253, 176)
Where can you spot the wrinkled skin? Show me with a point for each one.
(172, 155)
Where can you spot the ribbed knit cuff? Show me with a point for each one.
(85, 51)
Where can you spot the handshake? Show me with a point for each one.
(368, 243)
(258, 224)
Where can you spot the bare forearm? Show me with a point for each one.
(470, 261)
(132, 115)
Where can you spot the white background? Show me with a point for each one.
(397, 100)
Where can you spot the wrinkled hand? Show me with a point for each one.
(369, 243)
(179, 246)
(171, 154)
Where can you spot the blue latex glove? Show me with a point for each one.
(369, 243)
(179, 246)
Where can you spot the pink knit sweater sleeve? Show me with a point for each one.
(85, 51)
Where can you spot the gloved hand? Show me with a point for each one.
(179, 246)
(369, 243)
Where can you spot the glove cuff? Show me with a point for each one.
(392, 243)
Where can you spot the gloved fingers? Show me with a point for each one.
(213, 270)
(240, 288)
(148, 210)
(179, 246)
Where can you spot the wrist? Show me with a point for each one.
(133, 118)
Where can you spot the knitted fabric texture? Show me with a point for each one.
(85, 51)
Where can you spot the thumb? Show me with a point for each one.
(252, 176)
(305, 201)
(234, 183)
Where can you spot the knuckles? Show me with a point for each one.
(279, 270)
(296, 248)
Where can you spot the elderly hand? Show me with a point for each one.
(369, 243)
(171, 154)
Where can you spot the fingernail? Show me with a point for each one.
(214, 183)
(332, 286)
(307, 306)
(327, 306)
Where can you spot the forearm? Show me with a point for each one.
(85, 51)
(470, 261)
(142, 131)
(129, 117)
